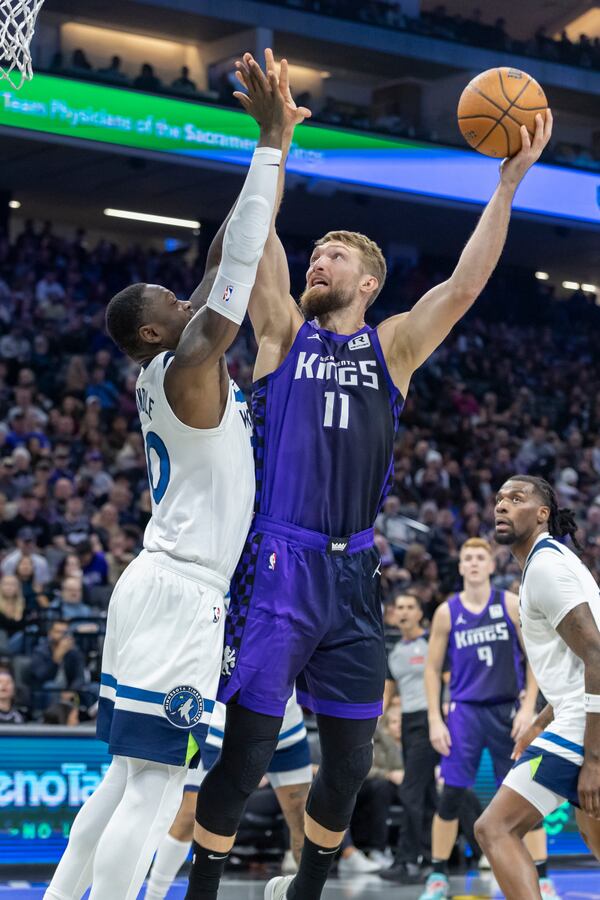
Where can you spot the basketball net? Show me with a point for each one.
(17, 24)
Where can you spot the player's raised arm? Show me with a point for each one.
(196, 384)
(438, 645)
(273, 312)
(409, 341)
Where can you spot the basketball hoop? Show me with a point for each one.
(17, 24)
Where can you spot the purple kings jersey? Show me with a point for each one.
(325, 423)
(485, 658)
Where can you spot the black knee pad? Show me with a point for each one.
(333, 794)
(248, 746)
(450, 802)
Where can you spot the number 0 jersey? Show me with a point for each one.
(325, 423)
(201, 480)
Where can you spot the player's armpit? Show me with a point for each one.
(275, 316)
(196, 383)
(410, 338)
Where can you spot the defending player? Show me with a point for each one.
(558, 757)
(478, 632)
(289, 774)
(305, 603)
(165, 623)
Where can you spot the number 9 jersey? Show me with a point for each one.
(201, 480)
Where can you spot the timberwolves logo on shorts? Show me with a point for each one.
(184, 706)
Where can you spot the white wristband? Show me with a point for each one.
(591, 703)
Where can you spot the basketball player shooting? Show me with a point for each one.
(558, 757)
(164, 638)
(305, 604)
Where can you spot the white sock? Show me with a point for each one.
(150, 801)
(73, 874)
(169, 858)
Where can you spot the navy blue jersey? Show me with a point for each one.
(325, 423)
(486, 662)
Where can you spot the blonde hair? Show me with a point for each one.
(12, 608)
(372, 257)
(477, 543)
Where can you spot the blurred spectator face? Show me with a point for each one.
(9, 587)
(26, 541)
(445, 519)
(409, 612)
(7, 467)
(120, 496)
(22, 459)
(72, 566)
(28, 506)
(26, 378)
(63, 489)
(24, 568)
(56, 632)
(476, 565)
(7, 689)
(117, 544)
(393, 723)
(391, 506)
(72, 590)
(109, 516)
(65, 427)
(42, 470)
(103, 359)
(74, 507)
(390, 615)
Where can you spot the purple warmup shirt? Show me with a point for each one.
(325, 423)
(486, 663)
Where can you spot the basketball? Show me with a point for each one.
(494, 105)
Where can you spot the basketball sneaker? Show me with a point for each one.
(547, 889)
(276, 888)
(437, 887)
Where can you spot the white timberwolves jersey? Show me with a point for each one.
(555, 581)
(201, 480)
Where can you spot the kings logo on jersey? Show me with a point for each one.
(184, 706)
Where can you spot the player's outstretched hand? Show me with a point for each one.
(251, 76)
(588, 788)
(524, 740)
(512, 170)
(439, 737)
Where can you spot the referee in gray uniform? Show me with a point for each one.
(406, 665)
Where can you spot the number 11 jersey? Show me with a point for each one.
(325, 423)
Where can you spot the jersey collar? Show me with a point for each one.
(542, 540)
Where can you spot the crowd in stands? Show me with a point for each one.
(516, 387)
(327, 110)
(469, 29)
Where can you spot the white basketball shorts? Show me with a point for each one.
(162, 659)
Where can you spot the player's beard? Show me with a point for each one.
(505, 537)
(317, 302)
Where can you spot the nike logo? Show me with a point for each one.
(328, 852)
(212, 856)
